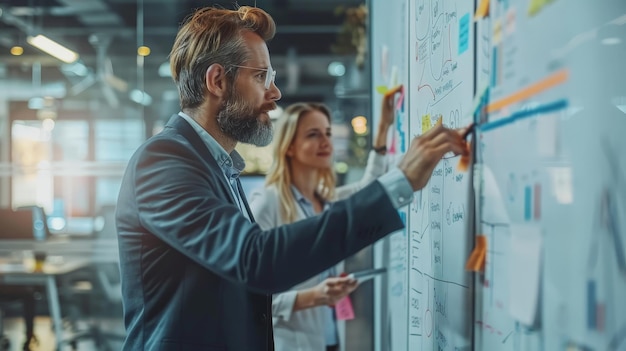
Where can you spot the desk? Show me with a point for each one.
(95, 250)
(16, 273)
(63, 257)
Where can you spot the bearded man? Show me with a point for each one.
(197, 272)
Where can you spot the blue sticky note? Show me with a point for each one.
(464, 28)
(494, 67)
(527, 203)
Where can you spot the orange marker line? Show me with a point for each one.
(534, 89)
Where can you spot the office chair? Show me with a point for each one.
(96, 299)
(25, 223)
(105, 286)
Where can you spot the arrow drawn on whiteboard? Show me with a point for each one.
(421, 86)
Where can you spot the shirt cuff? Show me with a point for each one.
(376, 165)
(397, 187)
(282, 305)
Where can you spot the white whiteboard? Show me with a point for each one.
(441, 52)
(429, 47)
(390, 68)
(550, 177)
(551, 164)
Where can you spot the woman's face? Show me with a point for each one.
(312, 146)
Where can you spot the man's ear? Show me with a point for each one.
(215, 80)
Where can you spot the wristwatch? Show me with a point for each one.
(381, 150)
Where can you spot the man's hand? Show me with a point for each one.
(427, 150)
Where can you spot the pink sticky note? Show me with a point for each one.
(392, 147)
(344, 310)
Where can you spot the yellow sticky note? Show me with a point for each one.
(534, 7)
(476, 261)
(497, 32)
(482, 10)
(393, 90)
(426, 123)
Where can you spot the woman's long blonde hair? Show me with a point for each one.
(279, 174)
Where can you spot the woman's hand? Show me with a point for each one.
(333, 289)
(326, 293)
(387, 114)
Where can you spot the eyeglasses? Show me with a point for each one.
(270, 75)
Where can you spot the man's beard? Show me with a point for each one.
(240, 121)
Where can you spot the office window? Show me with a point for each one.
(31, 156)
(116, 140)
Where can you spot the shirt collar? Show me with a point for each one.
(303, 200)
(299, 197)
(232, 165)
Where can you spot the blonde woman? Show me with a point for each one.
(301, 184)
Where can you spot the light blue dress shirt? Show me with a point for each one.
(232, 165)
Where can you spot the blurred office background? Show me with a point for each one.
(70, 119)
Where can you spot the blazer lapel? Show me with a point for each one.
(242, 195)
(187, 131)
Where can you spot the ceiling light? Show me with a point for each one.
(52, 48)
(17, 50)
(143, 51)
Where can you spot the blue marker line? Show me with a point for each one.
(550, 107)
(480, 101)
